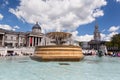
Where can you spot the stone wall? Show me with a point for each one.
(19, 51)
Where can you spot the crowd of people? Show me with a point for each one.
(114, 54)
(15, 54)
(100, 53)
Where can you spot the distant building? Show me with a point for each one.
(85, 45)
(96, 42)
(21, 39)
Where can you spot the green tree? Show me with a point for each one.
(115, 40)
(109, 44)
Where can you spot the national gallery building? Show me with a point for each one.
(11, 41)
(21, 39)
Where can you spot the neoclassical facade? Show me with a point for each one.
(21, 39)
(34, 38)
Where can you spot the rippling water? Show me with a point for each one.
(91, 68)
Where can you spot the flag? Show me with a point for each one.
(30, 40)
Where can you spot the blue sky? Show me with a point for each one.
(76, 16)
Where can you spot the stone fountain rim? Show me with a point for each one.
(70, 46)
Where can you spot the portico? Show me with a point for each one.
(34, 37)
(34, 41)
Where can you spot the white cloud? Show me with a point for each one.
(114, 28)
(103, 30)
(85, 37)
(59, 14)
(1, 16)
(98, 13)
(16, 27)
(107, 37)
(6, 2)
(8, 27)
(117, 0)
(104, 37)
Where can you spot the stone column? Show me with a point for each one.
(38, 41)
(18, 40)
(3, 40)
(35, 41)
(32, 41)
(29, 42)
(12, 44)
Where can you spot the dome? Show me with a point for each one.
(36, 26)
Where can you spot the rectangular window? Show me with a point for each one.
(6, 37)
(11, 37)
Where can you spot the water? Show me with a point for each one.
(91, 68)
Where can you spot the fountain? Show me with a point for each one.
(58, 48)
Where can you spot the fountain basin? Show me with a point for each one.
(58, 53)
